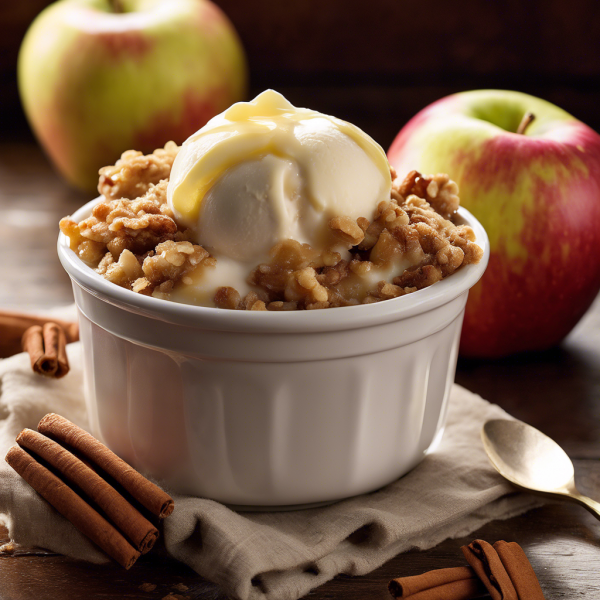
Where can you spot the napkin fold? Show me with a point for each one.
(273, 555)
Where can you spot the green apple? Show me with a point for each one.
(98, 77)
(536, 190)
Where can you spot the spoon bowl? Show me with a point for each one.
(531, 460)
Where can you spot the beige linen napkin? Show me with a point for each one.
(276, 555)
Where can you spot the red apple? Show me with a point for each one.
(536, 192)
(98, 77)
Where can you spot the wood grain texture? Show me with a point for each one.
(32, 201)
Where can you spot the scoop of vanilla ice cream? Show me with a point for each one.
(264, 171)
(252, 206)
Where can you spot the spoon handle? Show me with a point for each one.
(591, 505)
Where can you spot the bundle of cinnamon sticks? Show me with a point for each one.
(71, 470)
(44, 339)
(501, 571)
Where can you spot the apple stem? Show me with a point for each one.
(528, 117)
(117, 6)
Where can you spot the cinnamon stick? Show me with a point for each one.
(14, 324)
(73, 507)
(519, 569)
(457, 583)
(140, 532)
(47, 349)
(145, 492)
(485, 561)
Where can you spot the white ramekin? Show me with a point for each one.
(269, 408)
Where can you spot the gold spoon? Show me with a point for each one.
(532, 461)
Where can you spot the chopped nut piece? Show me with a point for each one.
(141, 286)
(406, 186)
(307, 279)
(258, 305)
(227, 297)
(462, 237)
(386, 249)
(172, 261)
(291, 254)
(419, 278)
(331, 258)
(360, 267)
(387, 290)
(347, 230)
(439, 190)
(333, 275)
(363, 223)
(71, 230)
(252, 301)
(133, 173)
(449, 258)
(125, 271)
(106, 261)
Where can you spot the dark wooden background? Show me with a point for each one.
(377, 62)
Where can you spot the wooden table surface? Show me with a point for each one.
(556, 391)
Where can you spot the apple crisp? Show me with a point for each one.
(410, 242)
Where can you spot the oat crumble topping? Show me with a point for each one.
(132, 239)
(134, 173)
